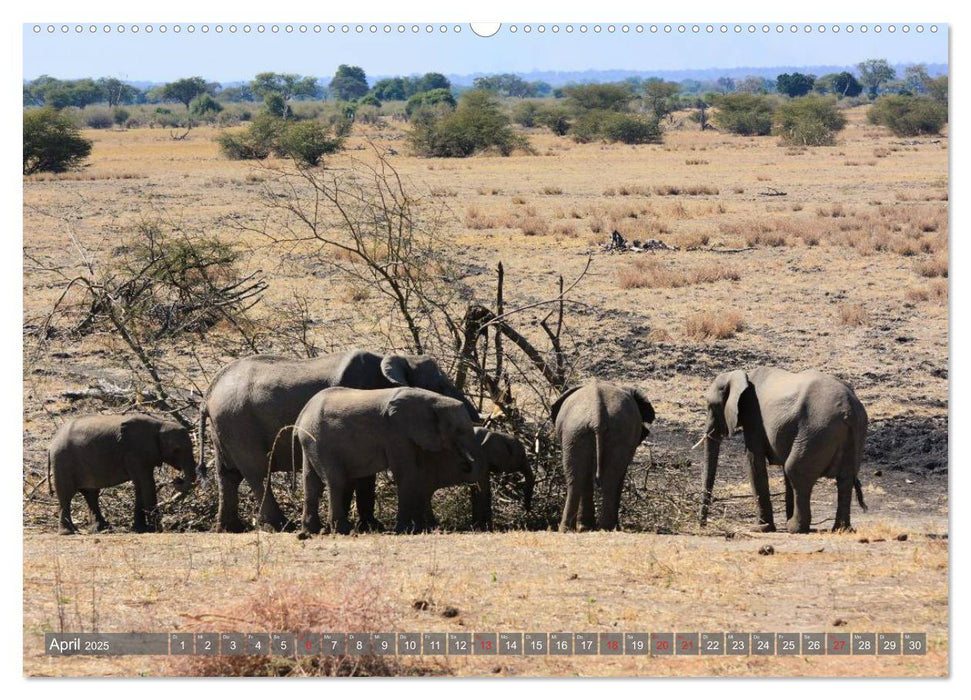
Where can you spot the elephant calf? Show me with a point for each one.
(503, 454)
(349, 434)
(599, 426)
(90, 453)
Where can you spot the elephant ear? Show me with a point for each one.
(138, 438)
(395, 369)
(415, 419)
(558, 404)
(736, 389)
(643, 404)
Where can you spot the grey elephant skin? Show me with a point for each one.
(503, 454)
(599, 426)
(91, 453)
(252, 402)
(811, 424)
(348, 434)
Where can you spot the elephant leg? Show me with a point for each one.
(98, 522)
(269, 510)
(313, 488)
(65, 526)
(578, 461)
(411, 504)
(801, 517)
(227, 519)
(789, 497)
(339, 492)
(482, 505)
(844, 497)
(146, 504)
(588, 512)
(759, 478)
(364, 489)
(612, 485)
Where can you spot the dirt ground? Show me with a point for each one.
(841, 273)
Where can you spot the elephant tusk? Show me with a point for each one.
(703, 438)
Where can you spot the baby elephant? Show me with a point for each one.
(503, 454)
(348, 434)
(90, 453)
(599, 426)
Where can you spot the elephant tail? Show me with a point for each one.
(858, 487)
(50, 484)
(598, 449)
(203, 415)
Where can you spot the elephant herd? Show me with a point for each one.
(346, 417)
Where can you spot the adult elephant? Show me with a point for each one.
(811, 424)
(252, 403)
(348, 434)
(599, 426)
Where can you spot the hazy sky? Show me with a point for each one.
(228, 57)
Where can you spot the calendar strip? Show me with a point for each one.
(490, 644)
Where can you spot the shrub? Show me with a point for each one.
(121, 116)
(306, 142)
(853, 315)
(525, 113)
(255, 143)
(205, 106)
(52, 142)
(809, 121)
(476, 125)
(590, 125)
(744, 113)
(556, 119)
(905, 115)
(432, 98)
(631, 128)
(98, 119)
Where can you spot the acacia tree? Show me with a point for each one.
(349, 82)
(286, 85)
(874, 72)
(184, 90)
(116, 92)
(659, 97)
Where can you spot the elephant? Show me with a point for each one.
(253, 401)
(347, 434)
(90, 453)
(811, 424)
(599, 426)
(503, 454)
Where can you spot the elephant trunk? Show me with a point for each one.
(185, 482)
(529, 481)
(712, 446)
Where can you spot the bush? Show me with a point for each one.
(477, 124)
(525, 112)
(809, 121)
(52, 142)
(98, 119)
(205, 106)
(554, 118)
(631, 128)
(908, 116)
(421, 100)
(744, 113)
(306, 142)
(121, 116)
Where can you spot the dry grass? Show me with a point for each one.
(706, 325)
(689, 190)
(936, 266)
(935, 291)
(853, 315)
(651, 273)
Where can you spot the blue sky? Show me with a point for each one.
(227, 57)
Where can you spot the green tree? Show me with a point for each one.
(184, 90)
(612, 97)
(846, 85)
(391, 89)
(916, 78)
(430, 99)
(937, 89)
(743, 113)
(73, 93)
(306, 142)
(204, 106)
(659, 97)
(794, 84)
(286, 85)
(349, 83)
(505, 84)
(556, 118)
(432, 81)
(115, 92)
(809, 121)
(478, 123)
(874, 72)
(52, 141)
